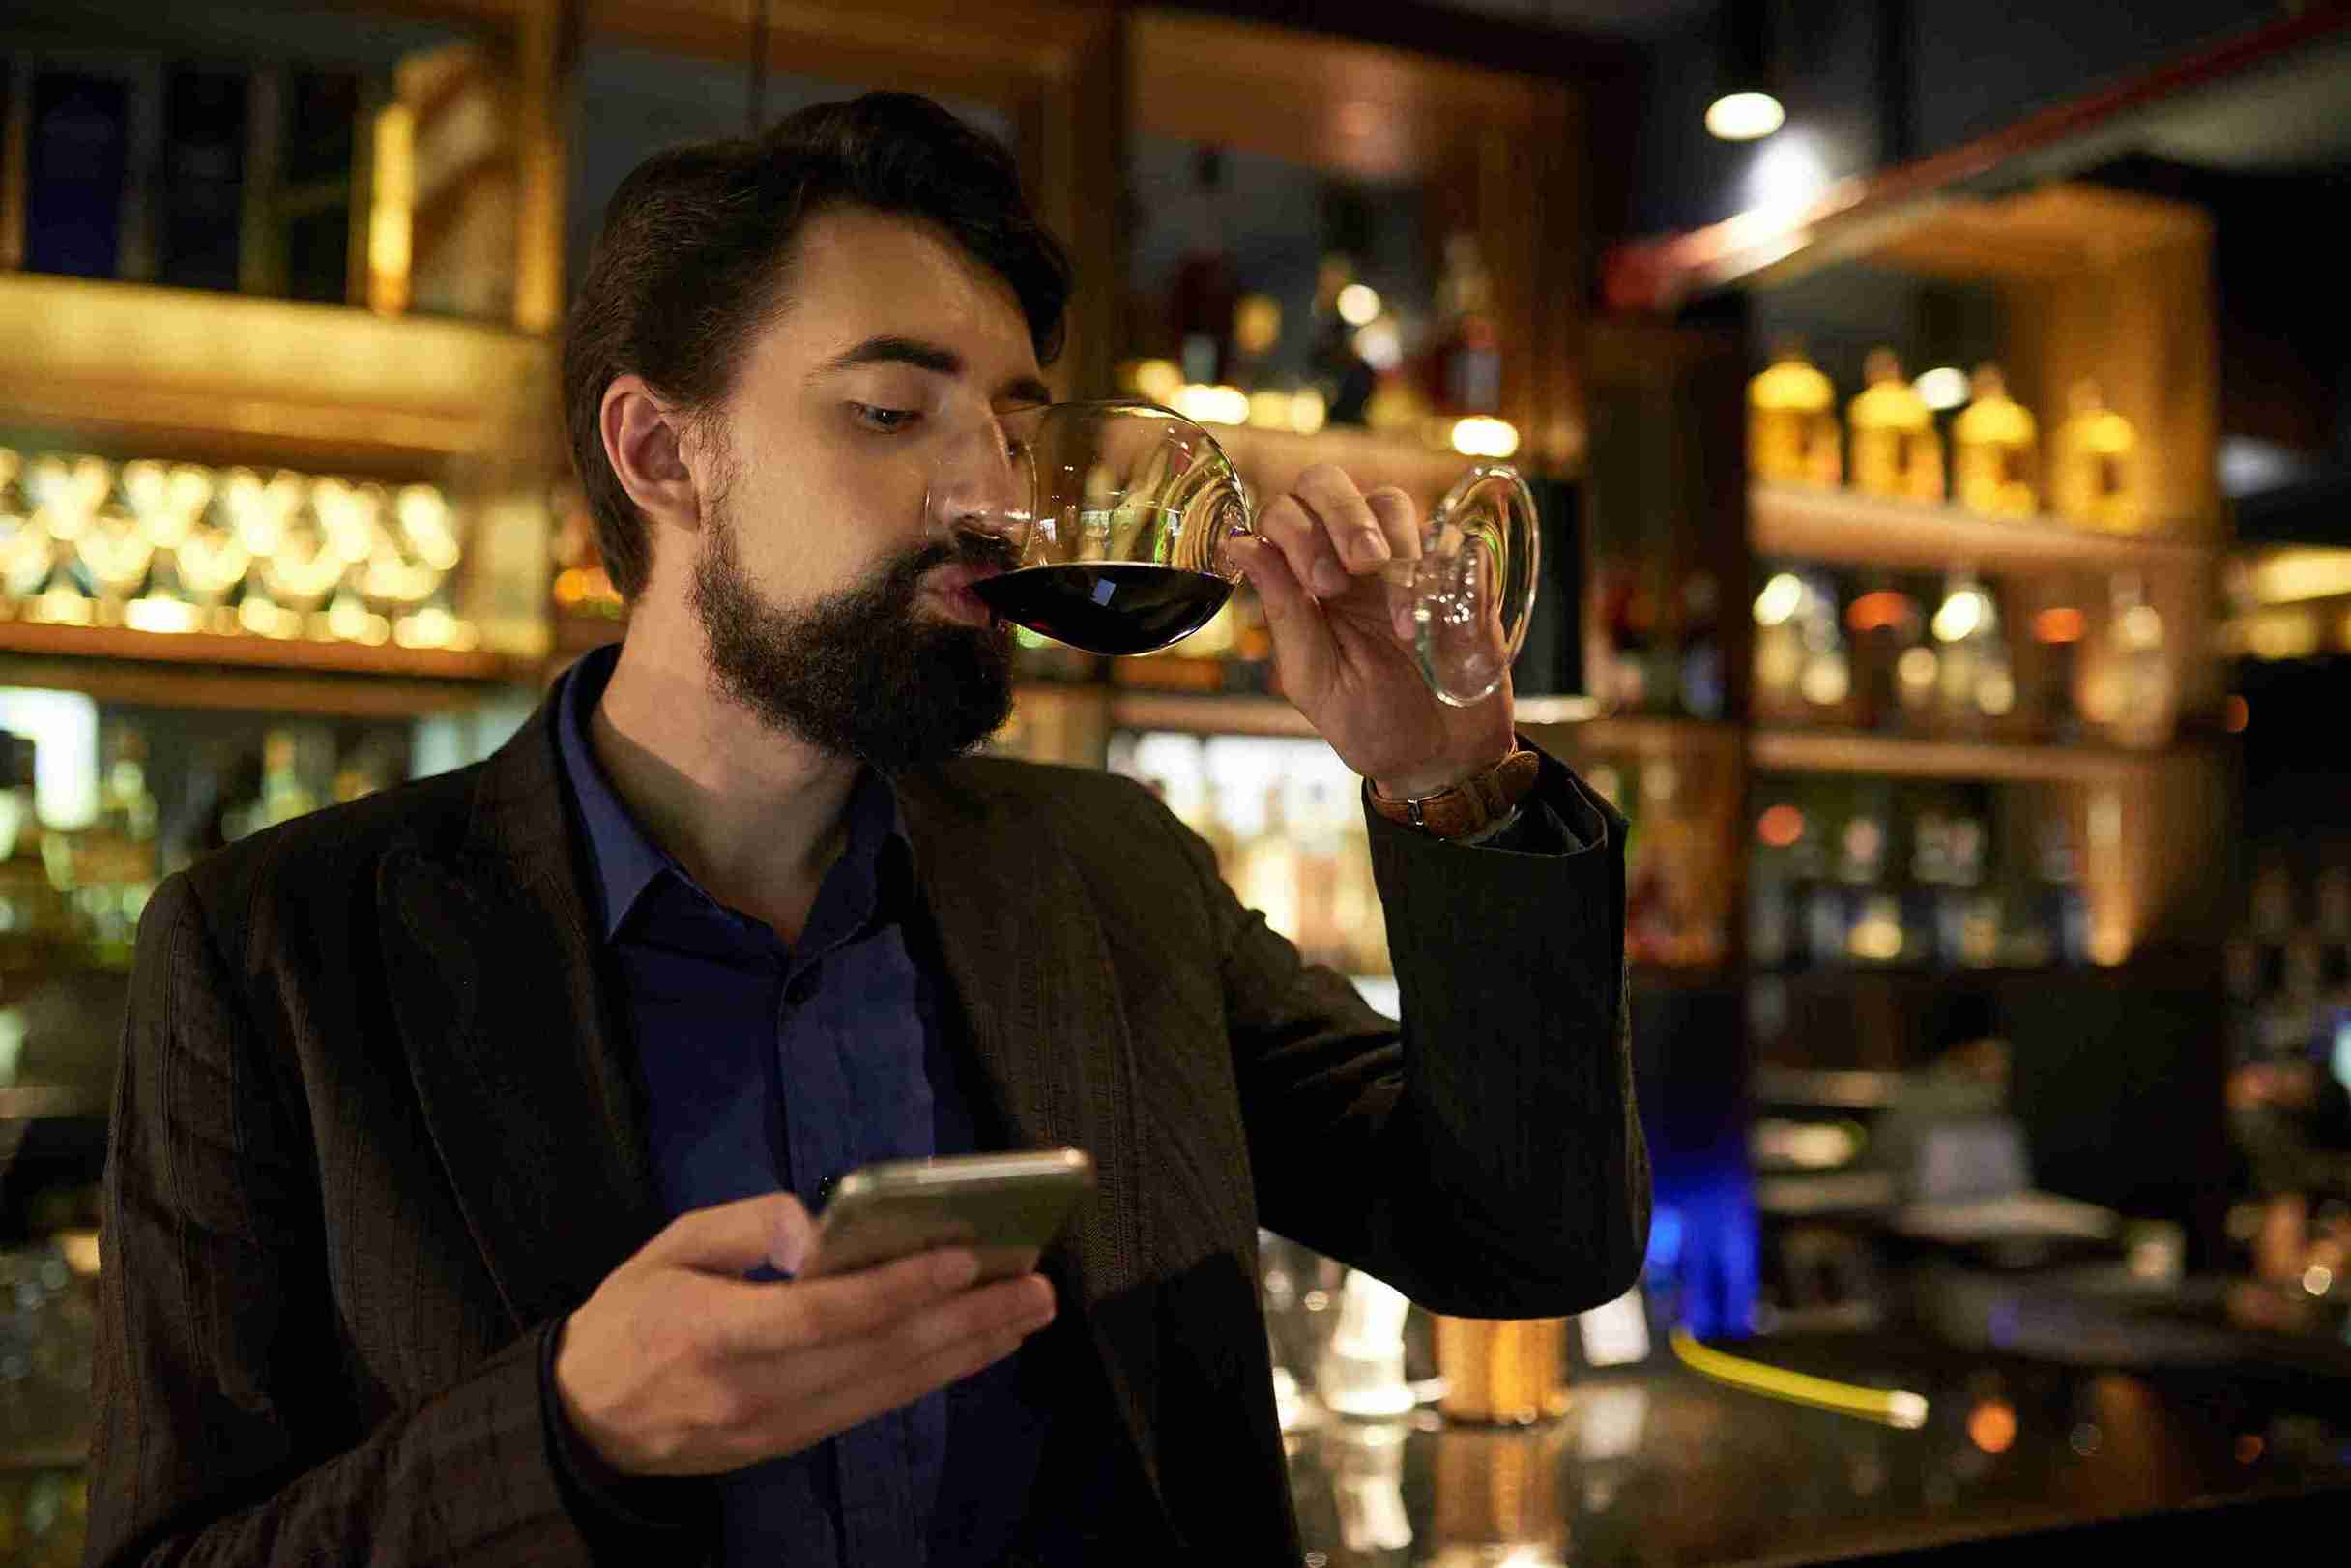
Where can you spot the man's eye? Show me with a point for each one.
(888, 420)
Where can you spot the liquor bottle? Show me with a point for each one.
(1773, 907)
(1704, 695)
(1206, 285)
(2144, 695)
(1779, 647)
(2094, 478)
(1827, 911)
(76, 173)
(202, 193)
(1465, 366)
(1341, 374)
(1802, 673)
(1628, 616)
(1930, 875)
(1256, 331)
(1792, 436)
(1967, 917)
(1885, 624)
(2065, 911)
(1897, 451)
(2057, 631)
(1269, 862)
(1994, 451)
(1976, 682)
(1874, 931)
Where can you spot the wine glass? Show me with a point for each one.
(1131, 512)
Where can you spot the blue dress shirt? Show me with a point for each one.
(772, 1066)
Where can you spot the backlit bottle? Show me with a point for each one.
(1995, 451)
(1792, 436)
(1897, 451)
(2094, 472)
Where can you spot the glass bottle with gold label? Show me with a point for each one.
(2094, 470)
(1792, 424)
(1897, 451)
(1994, 446)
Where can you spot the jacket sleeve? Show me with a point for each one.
(1487, 1159)
(224, 1429)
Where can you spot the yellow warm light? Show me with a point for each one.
(1358, 305)
(1308, 411)
(390, 219)
(2289, 576)
(1482, 436)
(1211, 405)
(1965, 610)
(2283, 634)
(1745, 116)
(1158, 379)
(161, 615)
(1269, 410)
(1779, 600)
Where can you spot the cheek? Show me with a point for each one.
(821, 524)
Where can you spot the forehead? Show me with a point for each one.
(858, 274)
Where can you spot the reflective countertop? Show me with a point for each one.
(1660, 1466)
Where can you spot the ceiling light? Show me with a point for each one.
(1745, 116)
(1745, 107)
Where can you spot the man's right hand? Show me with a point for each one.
(679, 1366)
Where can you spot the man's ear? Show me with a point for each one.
(643, 443)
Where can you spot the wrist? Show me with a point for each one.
(1436, 779)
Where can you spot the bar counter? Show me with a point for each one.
(1662, 1465)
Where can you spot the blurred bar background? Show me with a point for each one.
(1948, 570)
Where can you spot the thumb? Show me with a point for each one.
(737, 1237)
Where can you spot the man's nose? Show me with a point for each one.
(981, 483)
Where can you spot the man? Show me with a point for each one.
(466, 1137)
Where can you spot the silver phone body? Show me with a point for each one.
(1006, 1207)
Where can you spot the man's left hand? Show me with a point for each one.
(1328, 565)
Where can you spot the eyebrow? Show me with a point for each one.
(932, 357)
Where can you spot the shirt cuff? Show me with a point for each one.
(599, 1494)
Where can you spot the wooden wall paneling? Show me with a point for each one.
(2142, 326)
(546, 31)
(1073, 145)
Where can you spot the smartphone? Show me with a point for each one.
(1006, 1207)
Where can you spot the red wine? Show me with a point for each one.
(1106, 606)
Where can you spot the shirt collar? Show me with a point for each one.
(875, 862)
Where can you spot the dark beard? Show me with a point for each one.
(863, 673)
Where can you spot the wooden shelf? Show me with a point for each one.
(1134, 709)
(226, 376)
(203, 670)
(1836, 525)
(1633, 734)
(1841, 752)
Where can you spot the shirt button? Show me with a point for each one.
(801, 991)
(823, 1190)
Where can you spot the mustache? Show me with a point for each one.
(969, 547)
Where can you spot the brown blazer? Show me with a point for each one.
(379, 1128)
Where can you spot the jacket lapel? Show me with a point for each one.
(1031, 970)
(532, 1104)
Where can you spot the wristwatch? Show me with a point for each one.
(1475, 803)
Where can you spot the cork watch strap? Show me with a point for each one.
(1471, 804)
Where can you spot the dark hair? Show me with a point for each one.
(698, 240)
